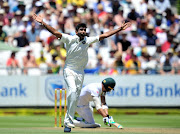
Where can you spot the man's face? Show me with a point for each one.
(81, 32)
(103, 89)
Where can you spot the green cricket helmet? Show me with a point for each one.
(109, 84)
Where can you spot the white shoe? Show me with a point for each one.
(70, 125)
(83, 124)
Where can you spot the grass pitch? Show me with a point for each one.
(133, 124)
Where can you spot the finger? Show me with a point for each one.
(35, 15)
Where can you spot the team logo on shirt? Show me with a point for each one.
(84, 42)
(51, 83)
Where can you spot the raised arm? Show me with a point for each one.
(39, 19)
(109, 33)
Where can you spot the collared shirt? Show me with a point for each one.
(77, 56)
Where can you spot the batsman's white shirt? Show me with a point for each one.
(84, 108)
(87, 93)
(77, 56)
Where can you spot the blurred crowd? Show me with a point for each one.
(150, 46)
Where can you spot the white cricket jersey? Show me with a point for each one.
(77, 56)
(87, 93)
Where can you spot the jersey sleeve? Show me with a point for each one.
(65, 38)
(92, 40)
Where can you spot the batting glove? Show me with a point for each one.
(111, 121)
(106, 121)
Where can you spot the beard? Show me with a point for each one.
(82, 35)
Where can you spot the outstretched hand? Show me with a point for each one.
(37, 18)
(125, 25)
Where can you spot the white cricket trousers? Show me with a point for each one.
(74, 81)
(86, 112)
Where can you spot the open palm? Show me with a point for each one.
(38, 18)
(125, 25)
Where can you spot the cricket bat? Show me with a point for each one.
(117, 125)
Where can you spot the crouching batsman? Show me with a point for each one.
(92, 93)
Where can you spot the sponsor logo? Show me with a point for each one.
(51, 83)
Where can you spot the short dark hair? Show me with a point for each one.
(80, 25)
(13, 54)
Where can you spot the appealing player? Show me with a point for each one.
(76, 60)
(93, 92)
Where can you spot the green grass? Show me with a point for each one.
(43, 124)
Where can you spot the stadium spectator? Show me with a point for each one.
(174, 24)
(151, 38)
(2, 16)
(33, 34)
(25, 24)
(18, 19)
(22, 40)
(118, 63)
(162, 5)
(48, 20)
(133, 65)
(61, 52)
(167, 67)
(7, 14)
(92, 62)
(162, 34)
(12, 61)
(123, 43)
(41, 59)
(151, 12)
(1, 4)
(101, 66)
(115, 6)
(158, 20)
(54, 64)
(133, 15)
(118, 18)
(44, 35)
(149, 64)
(29, 61)
(3, 34)
(142, 28)
(144, 8)
(10, 29)
(12, 64)
(165, 47)
(126, 56)
(134, 38)
(20, 7)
